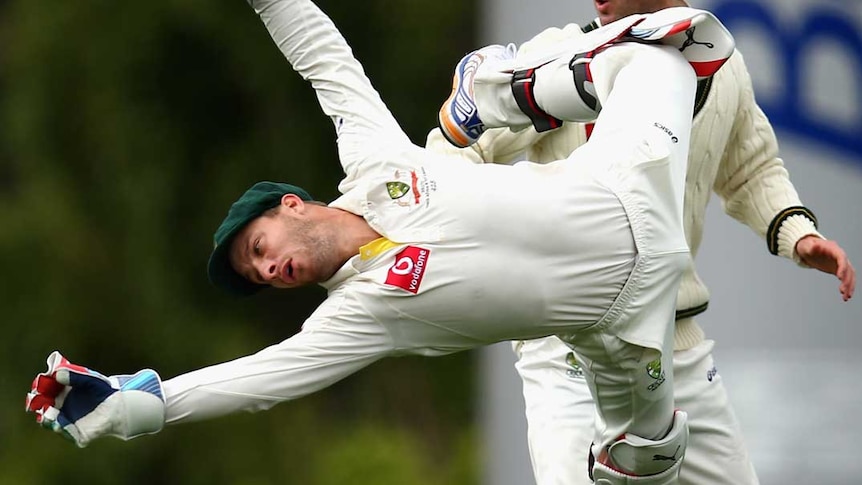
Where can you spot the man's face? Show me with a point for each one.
(611, 10)
(284, 248)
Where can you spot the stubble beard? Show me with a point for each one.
(321, 247)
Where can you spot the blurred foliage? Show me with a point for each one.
(128, 129)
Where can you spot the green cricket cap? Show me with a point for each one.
(261, 197)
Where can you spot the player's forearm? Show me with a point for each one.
(754, 183)
(318, 52)
(314, 47)
(769, 204)
(222, 389)
(292, 369)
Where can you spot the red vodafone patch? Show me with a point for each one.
(409, 268)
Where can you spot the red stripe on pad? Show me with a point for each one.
(707, 68)
(680, 27)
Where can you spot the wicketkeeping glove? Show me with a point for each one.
(82, 404)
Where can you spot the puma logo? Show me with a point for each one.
(689, 41)
(666, 458)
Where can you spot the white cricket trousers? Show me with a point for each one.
(643, 131)
(561, 416)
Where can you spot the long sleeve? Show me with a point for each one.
(336, 341)
(318, 52)
(753, 182)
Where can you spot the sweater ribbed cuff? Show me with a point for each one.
(791, 231)
(805, 223)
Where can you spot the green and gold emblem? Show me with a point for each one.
(397, 189)
(654, 369)
(575, 369)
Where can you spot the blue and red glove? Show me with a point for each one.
(82, 404)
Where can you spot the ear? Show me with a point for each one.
(292, 202)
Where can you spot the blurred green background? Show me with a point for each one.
(127, 130)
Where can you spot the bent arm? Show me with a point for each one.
(318, 52)
(753, 182)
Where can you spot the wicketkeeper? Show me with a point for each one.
(418, 257)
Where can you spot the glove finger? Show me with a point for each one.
(47, 416)
(56, 363)
(69, 374)
(38, 404)
(45, 392)
(60, 424)
(46, 385)
(54, 420)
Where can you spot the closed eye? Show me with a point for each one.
(256, 247)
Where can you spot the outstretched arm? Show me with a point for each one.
(303, 364)
(336, 341)
(318, 52)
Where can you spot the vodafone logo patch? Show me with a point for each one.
(408, 269)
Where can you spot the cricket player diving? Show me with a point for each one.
(424, 254)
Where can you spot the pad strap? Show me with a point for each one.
(583, 78)
(522, 90)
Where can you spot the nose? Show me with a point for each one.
(268, 269)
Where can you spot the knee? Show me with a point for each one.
(636, 460)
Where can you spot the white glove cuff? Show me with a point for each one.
(137, 408)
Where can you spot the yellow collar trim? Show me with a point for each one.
(375, 247)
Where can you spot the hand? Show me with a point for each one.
(82, 404)
(827, 256)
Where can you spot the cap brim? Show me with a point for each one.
(222, 274)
